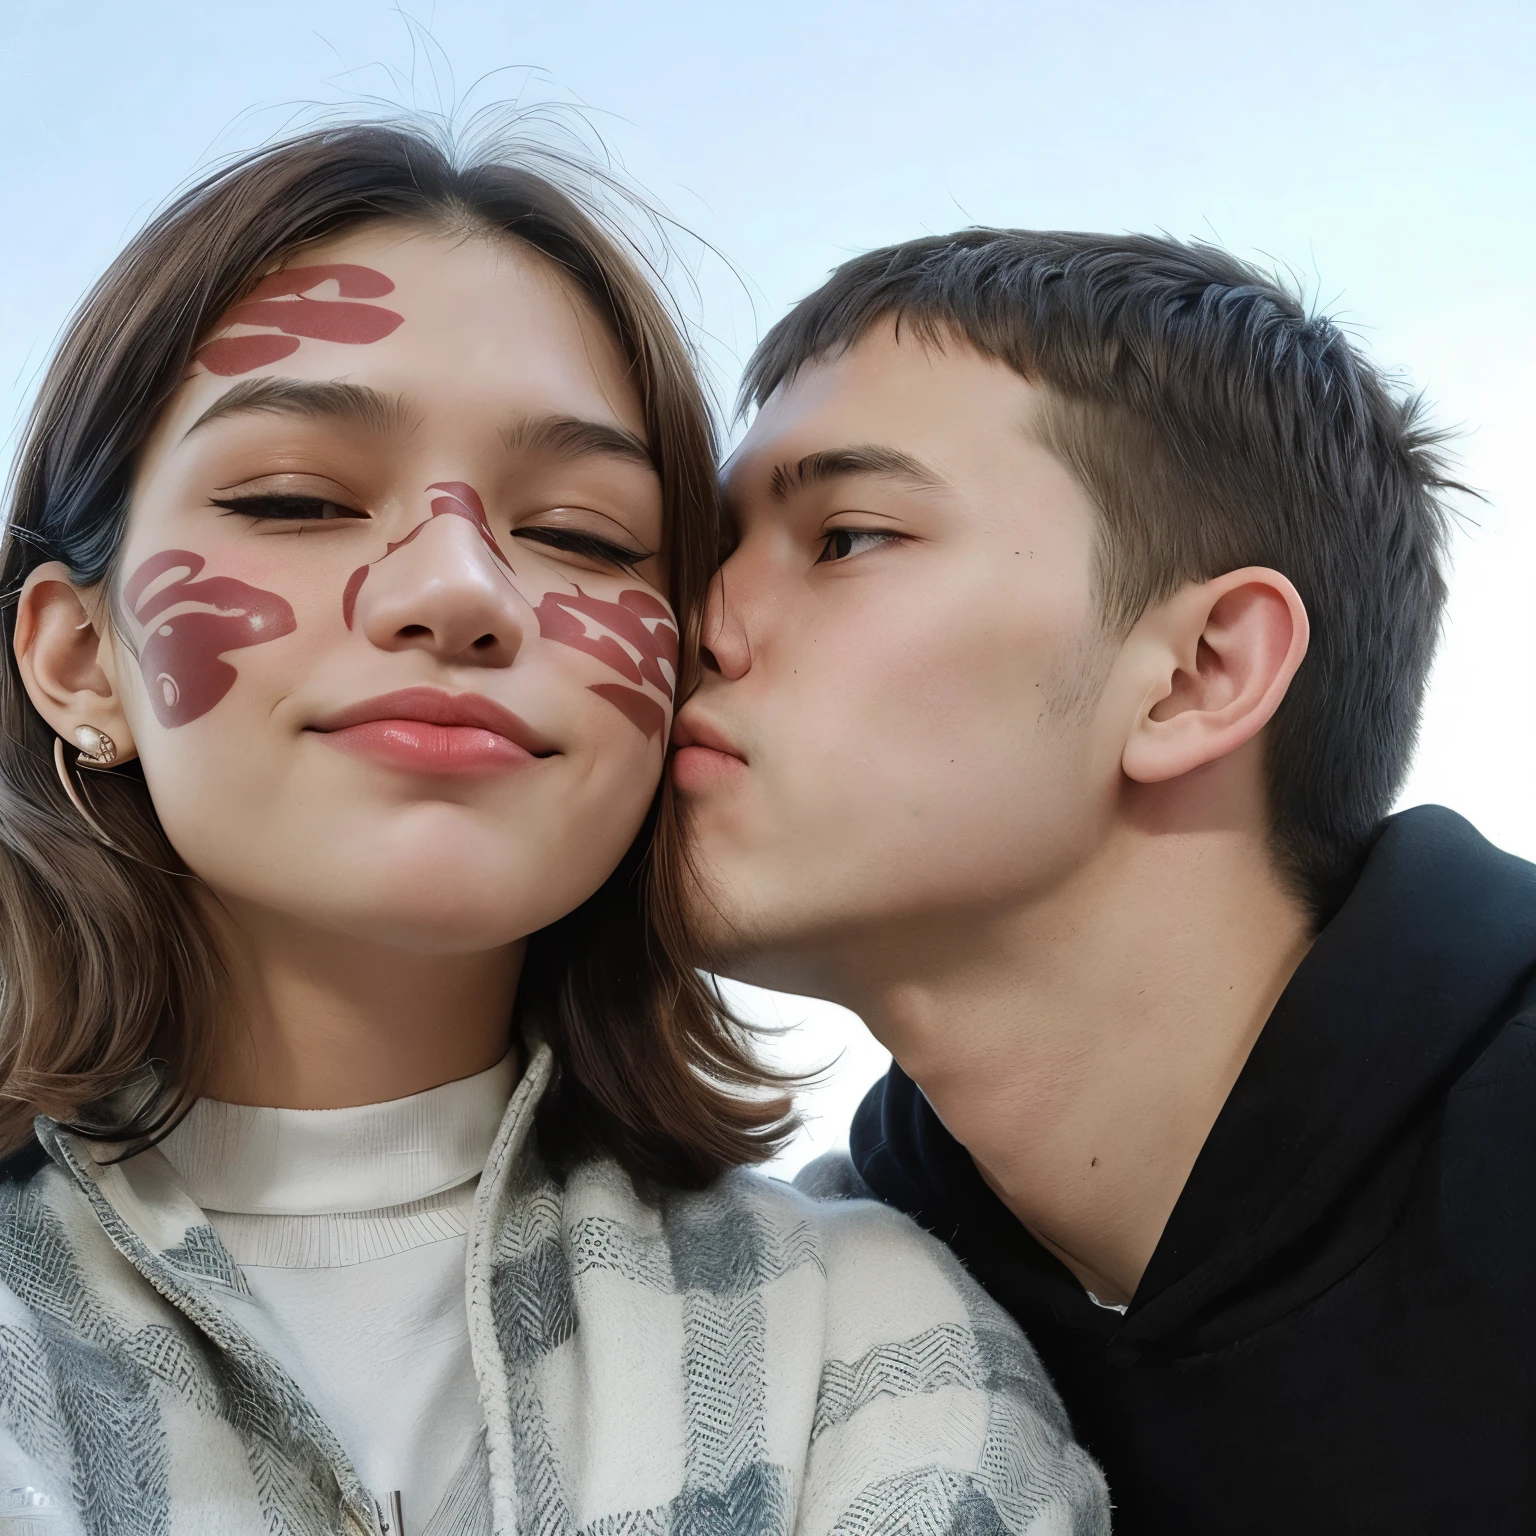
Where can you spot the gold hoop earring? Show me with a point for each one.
(105, 753)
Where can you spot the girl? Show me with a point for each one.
(371, 1153)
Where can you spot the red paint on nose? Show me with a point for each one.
(460, 499)
(349, 593)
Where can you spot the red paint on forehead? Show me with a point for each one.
(277, 301)
(352, 282)
(180, 658)
(240, 354)
(319, 319)
(641, 708)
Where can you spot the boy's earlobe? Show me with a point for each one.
(65, 660)
(1231, 647)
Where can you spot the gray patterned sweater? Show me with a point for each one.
(744, 1361)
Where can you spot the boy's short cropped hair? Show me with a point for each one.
(1216, 424)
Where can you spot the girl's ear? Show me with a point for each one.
(65, 656)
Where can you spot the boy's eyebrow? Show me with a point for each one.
(311, 398)
(575, 437)
(856, 459)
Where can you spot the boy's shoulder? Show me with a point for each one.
(832, 1176)
(1487, 1166)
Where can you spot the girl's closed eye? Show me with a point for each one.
(287, 508)
(584, 545)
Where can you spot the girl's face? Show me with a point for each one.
(393, 639)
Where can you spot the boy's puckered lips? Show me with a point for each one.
(702, 754)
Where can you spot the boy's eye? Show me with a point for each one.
(843, 542)
(573, 541)
(287, 508)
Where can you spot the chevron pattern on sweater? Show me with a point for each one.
(724, 1389)
(736, 1361)
(201, 1255)
(940, 1357)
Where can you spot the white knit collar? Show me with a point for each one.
(310, 1162)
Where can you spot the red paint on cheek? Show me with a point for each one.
(279, 301)
(180, 658)
(640, 707)
(560, 619)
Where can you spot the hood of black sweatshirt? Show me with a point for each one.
(1396, 997)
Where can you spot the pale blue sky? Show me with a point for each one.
(1382, 152)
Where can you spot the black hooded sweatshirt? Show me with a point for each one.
(1337, 1331)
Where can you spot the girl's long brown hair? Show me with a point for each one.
(105, 966)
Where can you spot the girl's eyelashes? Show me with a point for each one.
(277, 507)
(840, 543)
(574, 541)
(292, 509)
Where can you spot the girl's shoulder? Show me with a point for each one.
(929, 1399)
(864, 1271)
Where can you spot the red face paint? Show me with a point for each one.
(640, 707)
(458, 500)
(279, 301)
(638, 619)
(180, 658)
(461, 500)
(560, 619)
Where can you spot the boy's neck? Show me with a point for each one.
(1081, 1046)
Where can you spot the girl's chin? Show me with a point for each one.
(435, 875)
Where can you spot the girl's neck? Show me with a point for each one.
(323, 1020)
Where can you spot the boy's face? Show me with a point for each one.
(917, 706)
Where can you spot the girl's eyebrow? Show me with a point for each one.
(575, 437)
(313, 399)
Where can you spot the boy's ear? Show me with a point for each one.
(1222, 654)
(64, 653)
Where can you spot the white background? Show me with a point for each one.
(1381, 152)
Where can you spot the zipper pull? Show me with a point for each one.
(391, 1520)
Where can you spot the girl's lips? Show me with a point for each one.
(419, 746)
(426, 730)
